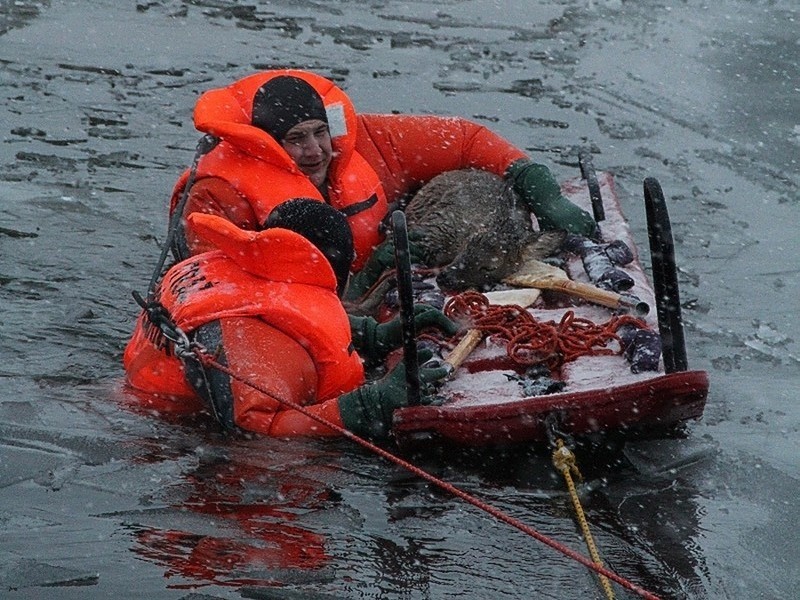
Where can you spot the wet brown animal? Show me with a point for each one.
(473, 226)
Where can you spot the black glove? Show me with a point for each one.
(374, 340)
(598, 265)
(367, 410)
(540, 191)
(641, 347)
(381, 259)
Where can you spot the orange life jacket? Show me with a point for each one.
(257, 166)
(276, 275)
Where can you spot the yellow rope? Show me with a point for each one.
(564, 461)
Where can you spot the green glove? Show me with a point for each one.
(367, 411)
(540, 191)
(381, 259)
(374, 341)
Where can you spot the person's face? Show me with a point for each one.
(309, 145)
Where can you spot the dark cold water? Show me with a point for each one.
(99, 499)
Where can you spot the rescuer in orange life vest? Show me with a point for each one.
(290, 133)
(267, 305)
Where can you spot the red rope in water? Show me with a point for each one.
(209, 361)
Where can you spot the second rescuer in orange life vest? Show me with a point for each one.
(266, 304)
(289, 133)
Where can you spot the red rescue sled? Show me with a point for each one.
(485, 404)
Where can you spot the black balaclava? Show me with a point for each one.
(323, 226)
(283, 102)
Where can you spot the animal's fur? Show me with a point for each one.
(472, 225)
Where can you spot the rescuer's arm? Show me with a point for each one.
(281, 369)
(367, 411)
(374, 340)
(407, 151)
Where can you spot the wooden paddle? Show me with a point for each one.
(473, 337)
(536, 274)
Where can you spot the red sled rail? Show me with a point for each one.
(657, 404)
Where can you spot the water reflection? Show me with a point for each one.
(241, 514)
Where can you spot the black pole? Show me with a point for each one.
(665, 278)
(588, 174)
(402, 259)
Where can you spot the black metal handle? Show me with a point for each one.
(588, 173)
(402, 259)
(665, 278)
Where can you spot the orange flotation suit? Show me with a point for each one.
(275, 275)
(257, 166)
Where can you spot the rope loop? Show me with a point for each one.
(564, 460)
(530, 341)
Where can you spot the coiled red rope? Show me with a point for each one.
(209, 361)
(530, 341)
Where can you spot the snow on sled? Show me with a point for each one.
(509, 390)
